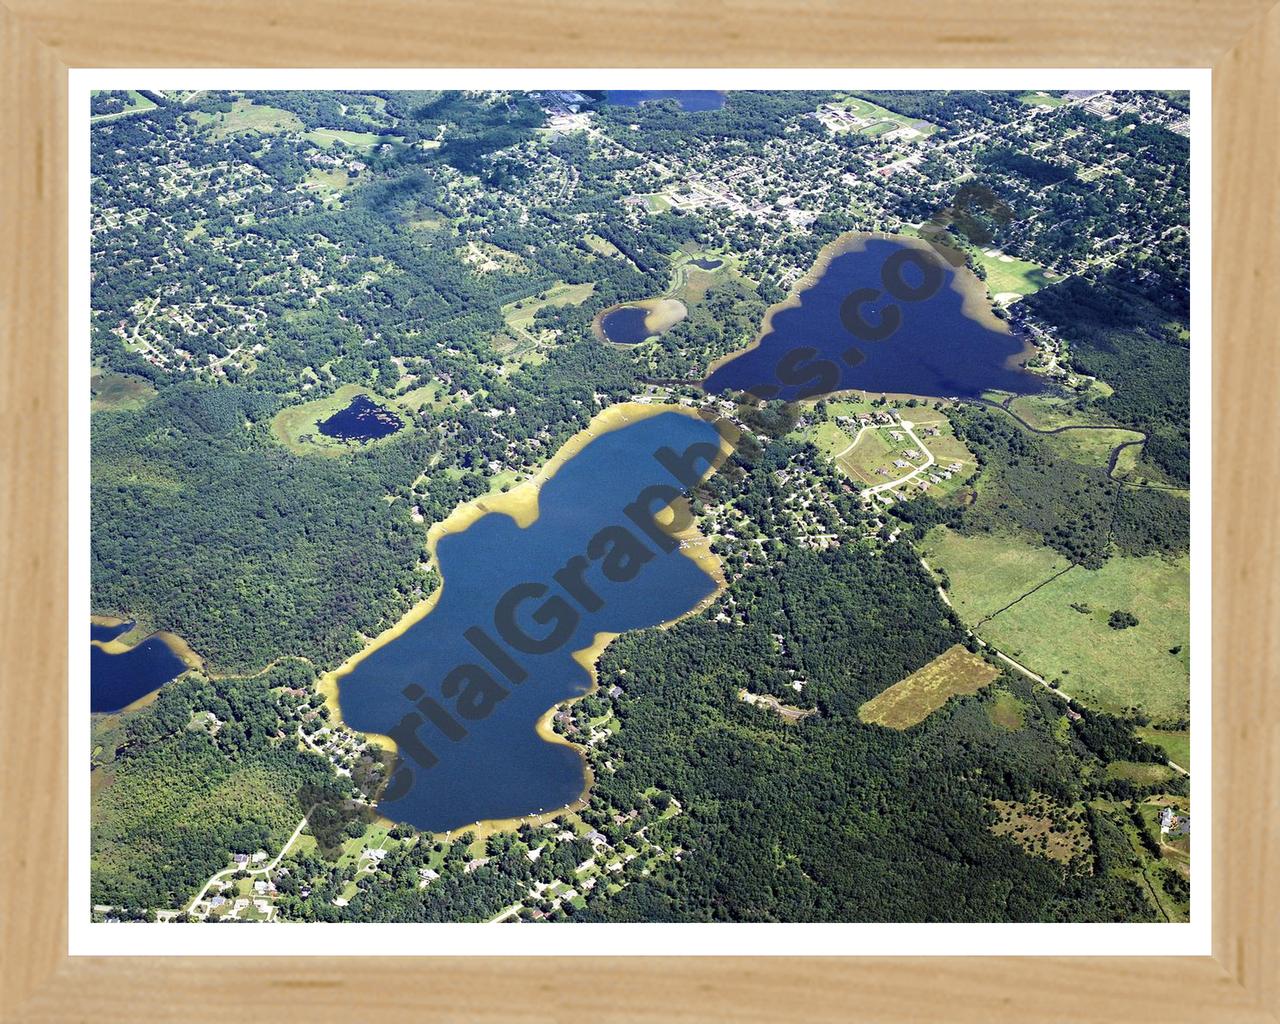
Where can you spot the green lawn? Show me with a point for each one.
(432, 395)
(1009, 276)
(865, 108)
(1041, 99)
(330, 182)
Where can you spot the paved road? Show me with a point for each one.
(906, 425)
(253, 871)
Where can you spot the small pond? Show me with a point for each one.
(362, 420)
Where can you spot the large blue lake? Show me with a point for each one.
(117, 680)
(689, 99)
(848, 331)
(468, 749)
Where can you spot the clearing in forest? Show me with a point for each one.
(954, 672)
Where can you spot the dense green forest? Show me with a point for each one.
(1141, 349)
(175, 798)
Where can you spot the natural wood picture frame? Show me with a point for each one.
(42, 39)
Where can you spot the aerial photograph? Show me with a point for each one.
(554, 506)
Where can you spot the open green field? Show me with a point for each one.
(364, 142)
(296, 426)
(1006, 711)
(521, 312)
(117, 392)
(432, 395)
(1139, 773)
(1089, 447)
(988, 571)
(1176, 744)
(602, 245)
(865, 108)
(329, 183)
(138, 104)
(1009, 276)
(1047, 412)
(1041, 99)
(909, 702)
(1061, 632)
(1094, 447)
(247, 116)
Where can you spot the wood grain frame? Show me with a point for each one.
(41, 39)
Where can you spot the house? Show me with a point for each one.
(472, 865)
(217, 901)
(260, 886)
(596, 838)
(241, 859)
(615, 691)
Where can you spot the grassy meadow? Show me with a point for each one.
(953, 672)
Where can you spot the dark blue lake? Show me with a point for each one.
(827, 341)
(362, 420)
(706, 263)
(626, 325)
(689, 99)
(105, 633)
(502, 768)
(117, 680)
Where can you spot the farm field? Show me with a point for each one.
(988, 571)
(1061, 632)
(953, 672)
